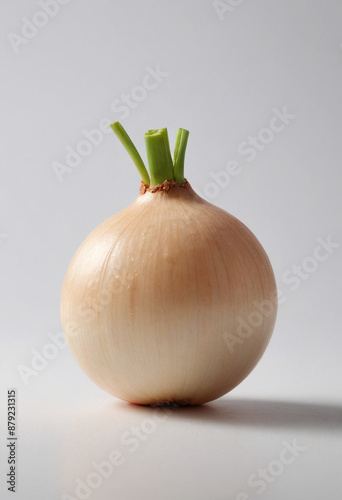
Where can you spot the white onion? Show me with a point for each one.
(155, 296)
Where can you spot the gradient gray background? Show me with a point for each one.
(225, 77)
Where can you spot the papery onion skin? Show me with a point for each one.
(154, 292)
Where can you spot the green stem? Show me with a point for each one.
(162, 167)
(159, 156)
(132, 151)
(179, 154)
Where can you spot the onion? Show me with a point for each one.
(157, 301)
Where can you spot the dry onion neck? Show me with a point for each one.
(162, 167)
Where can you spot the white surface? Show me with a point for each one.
(225, 78)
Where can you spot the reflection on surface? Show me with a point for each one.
(104, 446)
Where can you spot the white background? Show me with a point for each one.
(224, 74)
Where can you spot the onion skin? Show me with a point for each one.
(150, 295)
